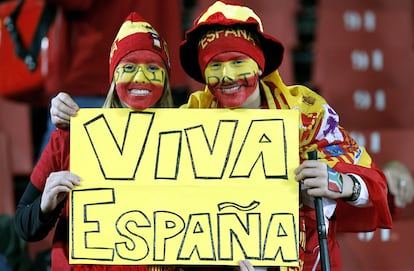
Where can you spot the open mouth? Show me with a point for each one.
(229, 90)
(139, 92)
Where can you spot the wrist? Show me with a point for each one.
(356, 189)
(44, 217)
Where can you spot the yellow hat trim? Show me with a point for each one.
(231, 12)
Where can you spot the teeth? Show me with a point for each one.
(230, 90)
(139, 92)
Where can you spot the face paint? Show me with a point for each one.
(232, 77)
(140, 78)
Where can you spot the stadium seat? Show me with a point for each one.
(15, 122)
(352, 23)
(387, 144)
(375, 104)
(383, 249)
(363, 60)
(385, 4)
(7, 203)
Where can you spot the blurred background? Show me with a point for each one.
(356, 54)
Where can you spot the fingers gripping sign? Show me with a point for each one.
(246, 265)
(62, 108)
(58, 185)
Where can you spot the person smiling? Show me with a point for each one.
(139, 75)
(228, 51)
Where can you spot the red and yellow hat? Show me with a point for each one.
(228, 26)
(136, 34)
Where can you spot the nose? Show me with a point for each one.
(140, 76)
(228, 73)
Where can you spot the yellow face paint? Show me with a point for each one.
(141, 73)
(235, 69)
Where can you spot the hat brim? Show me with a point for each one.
(272, 50)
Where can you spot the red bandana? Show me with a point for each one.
(229, 40)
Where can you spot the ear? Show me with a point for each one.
(260, 72)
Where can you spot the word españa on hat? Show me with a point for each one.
(136, 34)
(228, 26)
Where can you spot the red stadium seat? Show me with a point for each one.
(351, 26)
(385, 4)
(15, 122)
(387, 144)
(345, 64)
(7, 203)
(363, 60)
(387, 250)
(371, 104)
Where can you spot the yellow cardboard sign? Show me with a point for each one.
(184, 186)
